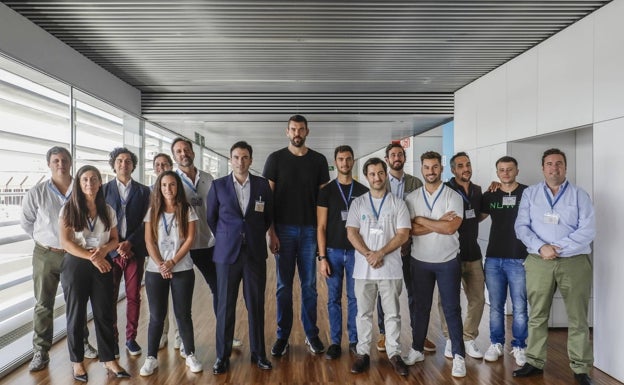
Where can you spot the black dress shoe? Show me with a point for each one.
(220, 366)
(361, 363)
(399, 366)
(81, 377)
(120, 374)
(333, 352)
(583, 378)
(263, 363)
(527, 370)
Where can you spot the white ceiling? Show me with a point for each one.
(363, 73)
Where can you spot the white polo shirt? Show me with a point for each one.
(377, 233)
(434, 247)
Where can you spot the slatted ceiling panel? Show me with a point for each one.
(196, 59)
(161, 103)
(168, 44)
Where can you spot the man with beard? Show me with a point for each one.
(130, 200)
(436, 213)
(196, 186)
(377, 225)
(473, 279)
(336, 254)
(295, 174)
(400, 185)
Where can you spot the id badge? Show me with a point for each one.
(166, 245)
(92, 242)
(259, 206)
(197, 202)
(344, 214)
(375, 239)
(469, 214)
(551, 218)
(509, 200)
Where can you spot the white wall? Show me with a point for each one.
(23, 40)
(574, 79)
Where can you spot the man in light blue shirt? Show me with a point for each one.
(556, 222)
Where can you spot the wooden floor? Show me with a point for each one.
(299, 366)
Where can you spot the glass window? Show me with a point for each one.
(99, 129)
(35, 115)
(157, 140)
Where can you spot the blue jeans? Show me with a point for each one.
(297, 250)
(341, 262)
(501, 273)
(448, 277)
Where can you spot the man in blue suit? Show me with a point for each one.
(239, 214)
(130, 199)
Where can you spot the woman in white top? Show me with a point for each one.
(169, 234)
(88, 233)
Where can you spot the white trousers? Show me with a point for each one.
(366, 294)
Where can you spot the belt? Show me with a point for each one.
(53, 249)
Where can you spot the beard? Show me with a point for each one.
(396, 168)
(297, 141)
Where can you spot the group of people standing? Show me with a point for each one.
(399, 231)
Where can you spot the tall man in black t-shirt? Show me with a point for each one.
(336, 254)
(295, 174)
(473, 279)
(504, 263)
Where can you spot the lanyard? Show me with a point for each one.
(63, 198)
(375, 212)
(186, 181)
(91, 223)
(167, 228)
(550, 202)
(348, 198)
(434, 201)
(460, 190)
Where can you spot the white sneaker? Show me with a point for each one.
(413, 357)
(182, 352)
(89, 351)
(472, 349)
(150, 364)
(236, 343)
(520, 355)
(163, 341)
(493, 353)
(193, 363)
(459, 366)
(177, 342)
(448, 349)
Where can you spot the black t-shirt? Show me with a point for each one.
(330, 197)
(297, 180)
(469, 249)
(503, 242)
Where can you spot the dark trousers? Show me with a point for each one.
(82, 281)
(407, 277)
(229, 276)
(424, 277)
(202, 258)
(157, 289)
(131, 270)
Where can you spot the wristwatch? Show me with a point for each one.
(321, 257)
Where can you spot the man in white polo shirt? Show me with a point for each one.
(436, 212)
(377, 225)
